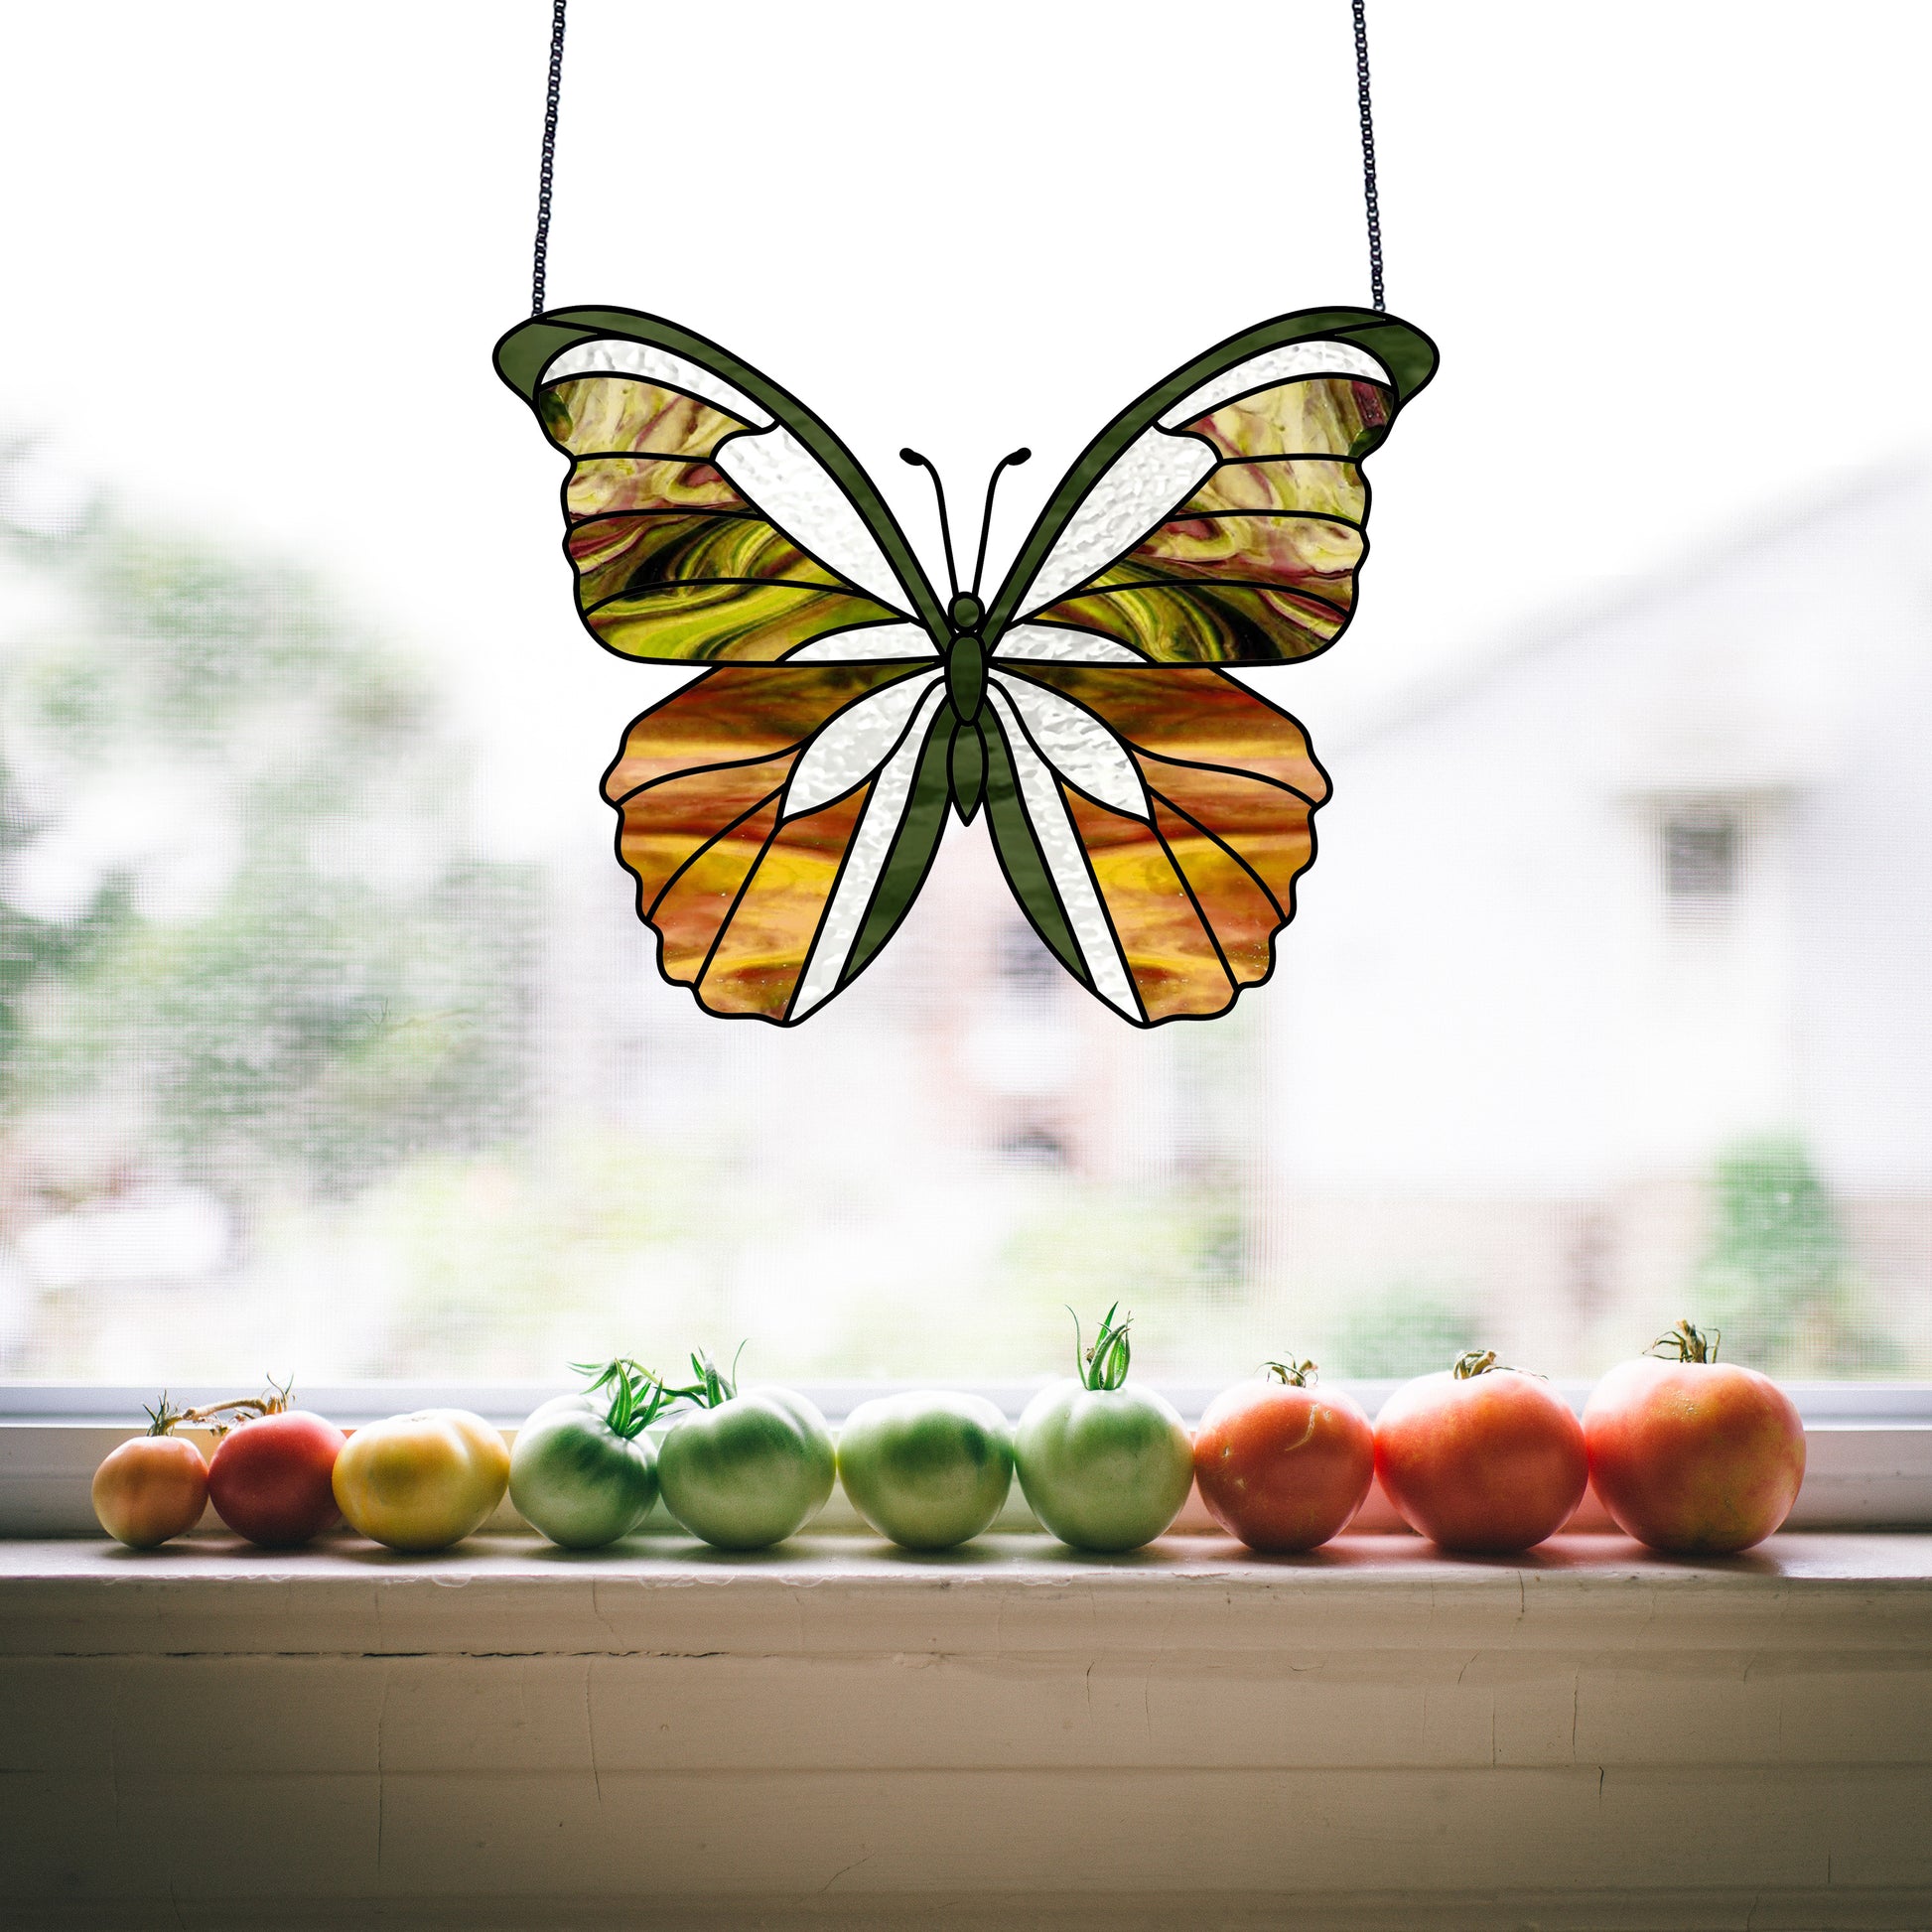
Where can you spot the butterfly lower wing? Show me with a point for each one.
(1152, 824)
(1221, 518)
(711, 515)
(779, 822)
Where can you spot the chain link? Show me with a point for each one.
(1368, 153)
(547, 173)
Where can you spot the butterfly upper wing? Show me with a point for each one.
(779, 812)
(1152, 813)
(1220, 518)
(710, 515)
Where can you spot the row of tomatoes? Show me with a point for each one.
(1686, 1454)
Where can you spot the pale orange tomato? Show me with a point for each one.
(150, 1489)
(1693, 1456)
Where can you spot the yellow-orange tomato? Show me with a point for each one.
(149, 1489)
(422, 1481)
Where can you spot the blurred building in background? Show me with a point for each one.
(1606, 1002)
(1610, 998)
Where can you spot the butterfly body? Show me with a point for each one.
(966, 676)
(780, 812)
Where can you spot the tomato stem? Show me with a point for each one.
(1687, 1343)
(637, 1394)
(1298, 1375)
(220, 1417)
(1104, 1366)
(1479, 1361)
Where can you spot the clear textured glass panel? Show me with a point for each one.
(1282, 365)
(1078, 745)
(618, 355)
(1154, 473)
(870, 846)
(789, 484)
(872, 644)
(1054, 643)
(1047, 814)
(854, 744)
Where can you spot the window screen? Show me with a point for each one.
(330, 1044)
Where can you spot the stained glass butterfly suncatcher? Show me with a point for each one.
(779, 813)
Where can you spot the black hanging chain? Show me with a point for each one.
(547, 172)
(1368, 150)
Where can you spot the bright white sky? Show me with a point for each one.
(1674, 253)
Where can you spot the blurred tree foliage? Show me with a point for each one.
(1404, 1329)
(242, 929)
(1777, 1272)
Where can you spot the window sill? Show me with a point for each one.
(1865, 1470)
(833, 1735)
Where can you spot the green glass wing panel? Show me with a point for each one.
(528, 349)
(1404, 351)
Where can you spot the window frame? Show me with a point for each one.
(1820, 1402)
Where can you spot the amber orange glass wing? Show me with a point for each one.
(1154, 823)
(779, 822)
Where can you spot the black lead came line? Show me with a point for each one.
(546, 173)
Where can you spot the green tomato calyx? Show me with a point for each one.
(1104, 1366)
(162, 1418)
(713, 1386)
(637, 1394)
(1292, 1375)
(1687, 1344)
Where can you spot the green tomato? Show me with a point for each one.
(580, 1482)
(749, 1473)
(927, 1470)
(1103, 1469)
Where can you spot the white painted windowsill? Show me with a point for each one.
(836, 1736)
(1869, 1453)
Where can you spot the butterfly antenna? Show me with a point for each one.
(945, 526)
(1010, 461)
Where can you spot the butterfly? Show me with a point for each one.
(779, 813)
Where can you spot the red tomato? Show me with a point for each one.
(1482, 1457)
(1280, 1464)
(151, 1489)
(271, 1479)
(1693, 1456)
